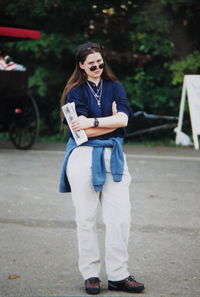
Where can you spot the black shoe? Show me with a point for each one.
(92, 285)
(128, 284)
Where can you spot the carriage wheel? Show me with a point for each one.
(25, 126)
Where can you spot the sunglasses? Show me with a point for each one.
(100, 66)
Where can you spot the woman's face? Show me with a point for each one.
(94, 59)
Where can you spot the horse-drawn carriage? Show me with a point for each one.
(19, 115)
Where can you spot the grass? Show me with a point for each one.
(40, 138)
(4, 136)
(161, 142)
(62, 138)
(52, 138)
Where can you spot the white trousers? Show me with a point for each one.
(115, 204)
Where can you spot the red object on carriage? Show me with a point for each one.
(16, 34)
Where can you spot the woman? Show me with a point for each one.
(96, 172)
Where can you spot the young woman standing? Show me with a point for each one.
(96, 172)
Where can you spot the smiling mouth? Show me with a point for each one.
(97, 71)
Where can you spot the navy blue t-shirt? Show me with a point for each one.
(86, 103)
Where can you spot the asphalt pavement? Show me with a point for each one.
(38, 247)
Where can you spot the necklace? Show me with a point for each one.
(97, 94)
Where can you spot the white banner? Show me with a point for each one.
(193, 92)
(191, 89)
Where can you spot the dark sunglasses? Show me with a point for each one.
(100, 66)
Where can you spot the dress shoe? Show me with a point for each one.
(92, 285)
(128, 284)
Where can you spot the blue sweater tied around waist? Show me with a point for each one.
(98, 162)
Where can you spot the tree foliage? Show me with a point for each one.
(150, 44)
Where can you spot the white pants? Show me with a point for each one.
(115, 204)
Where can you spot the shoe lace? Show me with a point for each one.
(131, 278)
(94, 280)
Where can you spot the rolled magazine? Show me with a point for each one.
(69, 111)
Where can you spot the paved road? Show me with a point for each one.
(37, 229)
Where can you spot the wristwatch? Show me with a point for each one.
(96, 122)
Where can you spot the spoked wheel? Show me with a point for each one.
(25, 125)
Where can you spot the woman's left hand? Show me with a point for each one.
(114, 108)
(81, 123)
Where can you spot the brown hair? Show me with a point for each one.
(79, 76)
